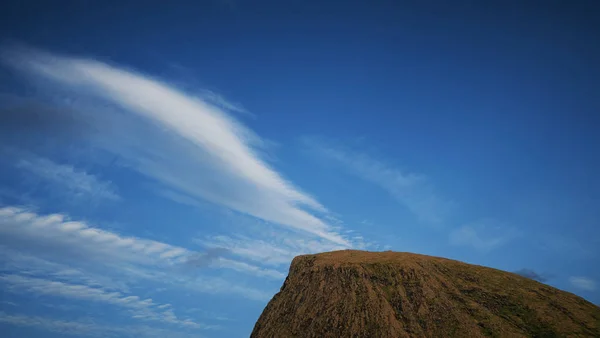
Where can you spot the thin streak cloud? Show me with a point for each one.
(141, 309)
(73, 182)
(57, 235)
(89, 328)
(217, 159)
(414, 191)
(583, 283)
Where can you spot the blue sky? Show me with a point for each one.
(162, 164)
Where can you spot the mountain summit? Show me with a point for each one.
(391, 294)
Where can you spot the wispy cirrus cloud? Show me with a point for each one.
(53, 325)
(583, 283)
(220, 101)
(89, 328)
(29, 265)
(188, 150)
(37, 259)
(140, 309)
(70, 181)
(249, 268)
(417, 193)
(251, 248)
(60, 236)
(58, 233)
(277, 250)
(413, 191)
(218, 158)
(268, 246)
(483, 235)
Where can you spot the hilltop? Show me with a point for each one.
(390, 294)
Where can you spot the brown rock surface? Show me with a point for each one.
(389, 294)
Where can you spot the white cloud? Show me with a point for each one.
(184, 146)
(266, 246)
(414, 191)
(88, 328)
(58, 326)
(61, 235)
(26, 264)
(245, 267)
(69, 180)
(142, 309)
(56, 232)
(222, 286)
(118, 277)
(257, 250)
(118, 261)
(216, 157)
(583, 283)
(209, 285)
(483, 235)
(220, 101)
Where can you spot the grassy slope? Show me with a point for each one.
(365, 294)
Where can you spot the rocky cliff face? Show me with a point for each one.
(388, 294)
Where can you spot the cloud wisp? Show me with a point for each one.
(413, 191)
(220, 101)
(57, 233)
(583, 283)
(89, 328)
(217, 157)
(278, 250)
(29, 265)
(140, 309)
(53, 258)
(62, 237)
(188, 150)
(484, 235)
(74, 183)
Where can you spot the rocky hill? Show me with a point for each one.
(389, 294)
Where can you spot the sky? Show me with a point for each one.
(161, 164)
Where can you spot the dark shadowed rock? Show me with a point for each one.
(388, 294)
